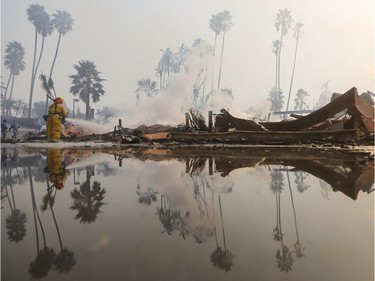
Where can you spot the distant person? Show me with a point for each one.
(14, 127)
(4, 129)
(56, 115)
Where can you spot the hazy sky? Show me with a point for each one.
(124, 38)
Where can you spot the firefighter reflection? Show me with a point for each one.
(56, 170)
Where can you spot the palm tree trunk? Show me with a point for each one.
(276, 74)
(7, 86)
(11, 87)
(222, 223)
(35, 209)
(204, 86)
(294, 210)
(10, 203)
(221, 61)
(213, 64)
(291, 81)
(87, 104)
(213, 213)
(9, 113)
(32, 74)
(54, 59)
(5, 95)
(57, 228)
(279, 60)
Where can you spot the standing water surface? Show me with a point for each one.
(77, 214)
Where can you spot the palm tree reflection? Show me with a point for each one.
(221, 257)
(16, 221)
(284, 257)
(300, 178)
(42, 264)
(88, 200)
(64, 260)
(276, 188)
(147, 197)
(172, 219)
(298, 247)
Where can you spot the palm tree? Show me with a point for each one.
(275, 96)
(14, 61)
(182, 54)
(62, 22)
(225, 24)
(300, 99)
(297, 35)
(9, 104)
(283, 23)
(145, 86)
(41, 21)
(165, 63)
(87, 83)
(324, 95)
(216, 28)
(276, 50)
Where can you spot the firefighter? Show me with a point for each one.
(56, 115)
(56, 170)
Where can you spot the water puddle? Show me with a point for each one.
(149, 214)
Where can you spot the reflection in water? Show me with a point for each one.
(88, 199)
(16, 220)
(200, 211)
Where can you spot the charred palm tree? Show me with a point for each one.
(48, 85)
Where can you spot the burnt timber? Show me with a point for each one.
(321, 125)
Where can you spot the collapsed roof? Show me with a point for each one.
(361, 114)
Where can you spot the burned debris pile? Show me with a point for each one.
(347, 119)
